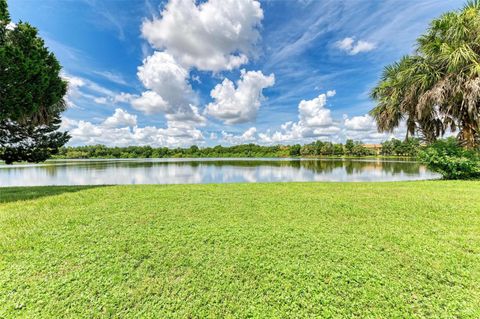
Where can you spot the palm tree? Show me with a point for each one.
(437, 88)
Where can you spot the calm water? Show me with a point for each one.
(174, 171)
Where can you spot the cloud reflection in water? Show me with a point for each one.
(195, 171)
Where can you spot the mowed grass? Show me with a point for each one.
(293, 250)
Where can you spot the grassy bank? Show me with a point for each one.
(366, 250)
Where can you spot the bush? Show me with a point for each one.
(451, 160)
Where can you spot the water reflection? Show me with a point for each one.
(174, 171)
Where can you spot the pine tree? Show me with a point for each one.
(31, 143)
(31, 94)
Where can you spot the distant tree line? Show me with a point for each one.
(320, 148)
(409, 147)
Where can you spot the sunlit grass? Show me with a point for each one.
(366, 250)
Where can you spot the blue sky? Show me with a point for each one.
(182, 72)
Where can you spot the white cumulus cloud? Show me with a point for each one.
(168, 89)
(315, 121)
(212, 36)
(150, 103)
(248, 136)
(123, 97)
(121, 129)
(352, 47)
(239, 104)
(121, 118)
(363, 128)
(162, 74)
(313, 113)
(360, 123)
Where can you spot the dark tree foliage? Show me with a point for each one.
(31, 143)
(315, 149)
(295, 150)
(31, 94)
(448, 158)
(409, 147)
(4, 20)
(349, 146)
(4, 15)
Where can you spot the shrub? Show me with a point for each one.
(451, 160)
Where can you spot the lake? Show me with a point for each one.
(198, 171)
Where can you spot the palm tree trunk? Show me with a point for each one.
(468, 136)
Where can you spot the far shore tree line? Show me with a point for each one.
(394, 147)
(433, 91)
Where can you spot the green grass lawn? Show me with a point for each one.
(339, 250)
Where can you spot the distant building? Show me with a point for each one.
(375, 148)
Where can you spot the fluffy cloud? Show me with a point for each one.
(11, 26)
(360, 128)
(364, 128)
(168, 89)
(190, 115)
(85, 129)
(360, 123)
(240, 104)
(68, 124)
(162, 74)
(121, 118)
(123, 97)
(120, 129)
(298, 133)
(248, 136)
(313, 113)
(150, 103)
(212, 36)
(315, 121)
(353, 47)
